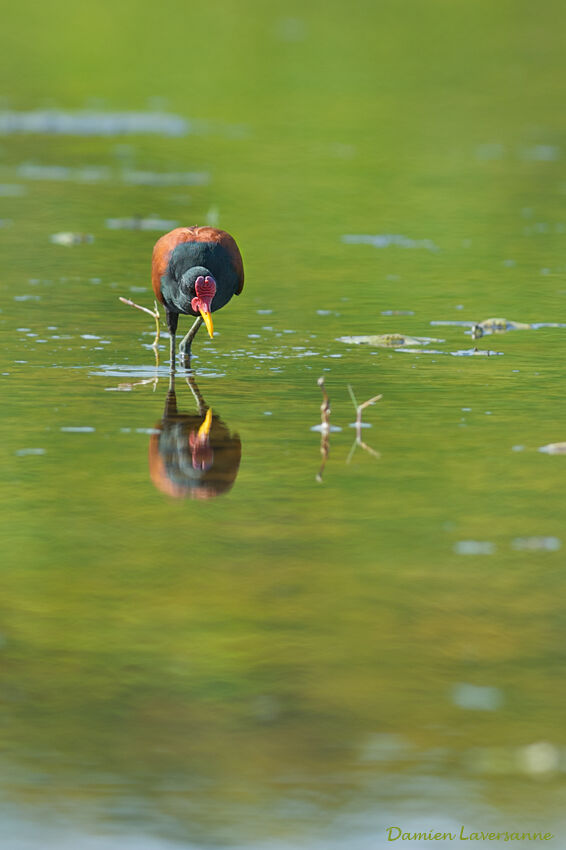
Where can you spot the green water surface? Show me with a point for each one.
(297, 662)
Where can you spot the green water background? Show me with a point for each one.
(287, 662)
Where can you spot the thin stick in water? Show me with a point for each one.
(324, 428)
(154, 313)
(359, 411)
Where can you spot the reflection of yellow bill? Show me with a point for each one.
(207, 318)
(204, 429)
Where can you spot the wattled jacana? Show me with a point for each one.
(195, 271)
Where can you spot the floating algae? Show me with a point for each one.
(476, 352)
(554, 449)
(498, 326)
(71, 238)
(467, 352)
(388, 340)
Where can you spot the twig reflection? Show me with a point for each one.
(324, 428)
(359, 411)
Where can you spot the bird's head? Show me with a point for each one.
(197, 290)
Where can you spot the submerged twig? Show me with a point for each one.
(324, 428)
(130, 385)
(359, 410)
(154, 313)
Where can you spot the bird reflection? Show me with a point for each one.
(192, 455)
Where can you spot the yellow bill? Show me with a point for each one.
(207, 319)
(204, 429)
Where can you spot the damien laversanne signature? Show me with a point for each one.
(395, 833)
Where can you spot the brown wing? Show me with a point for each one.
(212, 234)
(165, 246)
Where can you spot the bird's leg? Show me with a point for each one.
(172, 322)
(185, 347)
(201, 403)
(171, 399)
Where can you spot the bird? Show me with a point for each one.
(195, 271)
(192, 455)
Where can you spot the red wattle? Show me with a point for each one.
(205, 287)
(199, 304)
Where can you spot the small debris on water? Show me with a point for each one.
(84, 122)
(553, 449)
(324, 429)
(474, 547)
(451, 323)
(541, 153)
(536, 544)
(134, 223)
(384, 747)
(476, 697)
(490, 150)
(71, 238)
(496, 326)
(156, 178)
(385, 240)
(212, 217)
(475, 352)
(59, 173)
(488, 326)
(387, 340)
(11, 190)
(290, 29)
(539, 758)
